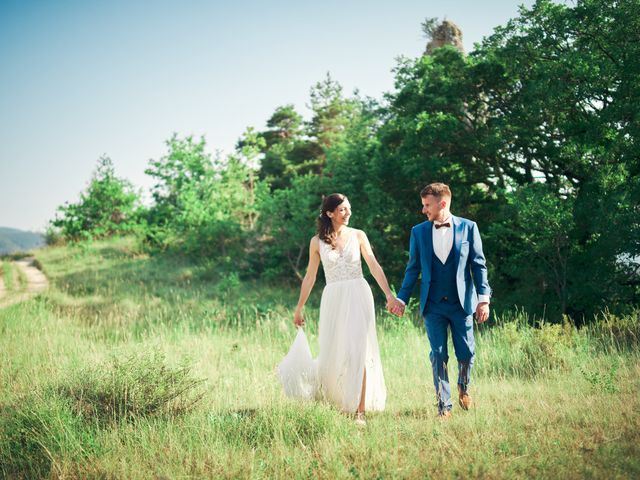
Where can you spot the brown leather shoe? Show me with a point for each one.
(444, 415)
(464, 399)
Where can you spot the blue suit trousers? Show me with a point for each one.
(439, 316)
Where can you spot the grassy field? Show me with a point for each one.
(137, 367)
(8, 272)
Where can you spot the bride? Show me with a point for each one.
(347, 372)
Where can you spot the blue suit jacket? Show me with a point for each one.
(471, 273)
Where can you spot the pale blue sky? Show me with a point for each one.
(79, 79)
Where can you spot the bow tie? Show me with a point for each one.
(442, 225)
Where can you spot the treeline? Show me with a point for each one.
(536, 131)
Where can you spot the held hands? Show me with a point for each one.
(298, 319)
(482, 312)
(395, 306)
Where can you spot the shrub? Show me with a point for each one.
(132, 387)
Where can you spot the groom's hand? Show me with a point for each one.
(482, 312)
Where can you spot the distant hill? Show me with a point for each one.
(14, 240)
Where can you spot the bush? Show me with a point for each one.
(53, 236)
(132, 387)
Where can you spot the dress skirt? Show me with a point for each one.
(348, 348)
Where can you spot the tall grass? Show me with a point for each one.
(138, 367)
(137, 385)
(8, 275)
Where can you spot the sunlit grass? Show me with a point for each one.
(8, 275)
(550, 402)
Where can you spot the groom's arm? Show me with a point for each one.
(479, 266)
(413, 269)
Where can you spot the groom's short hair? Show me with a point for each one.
(438, 190)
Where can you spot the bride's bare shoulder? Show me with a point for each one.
(360, 233)
(314, 245)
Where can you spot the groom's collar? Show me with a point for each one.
(446, 220)
(450, 219)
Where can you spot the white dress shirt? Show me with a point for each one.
(442, 239)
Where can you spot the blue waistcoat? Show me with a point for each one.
(443, 280)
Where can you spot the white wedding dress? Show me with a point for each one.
(347, 337)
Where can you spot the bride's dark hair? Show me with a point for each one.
(325, 227)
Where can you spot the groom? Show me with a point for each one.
(447, 252)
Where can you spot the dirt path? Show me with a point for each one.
(36, 282)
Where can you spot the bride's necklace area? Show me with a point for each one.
(347, 236)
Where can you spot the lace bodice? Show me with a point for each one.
(342, 264)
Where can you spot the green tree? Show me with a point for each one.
(283, 140)
(108, 206)
(332, 112)
(185, 163)
(215, 215)
(430, 131)
(297, 148)
(288, 221)
(531, 247)
(561, 85)
(213, 204)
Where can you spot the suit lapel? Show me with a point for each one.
(457, 238)
(428, 243)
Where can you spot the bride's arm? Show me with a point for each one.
(308, 281)
(374, 266)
